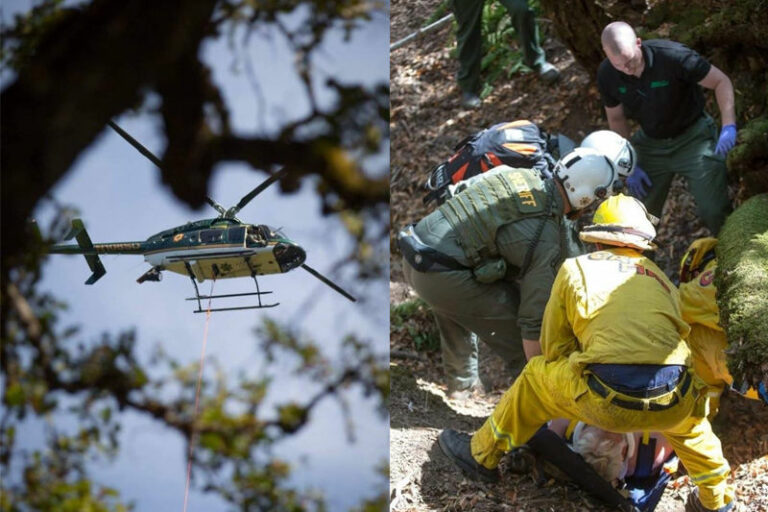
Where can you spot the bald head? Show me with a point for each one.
(622, 47)
(618, 36)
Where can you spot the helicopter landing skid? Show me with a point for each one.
(258, 293)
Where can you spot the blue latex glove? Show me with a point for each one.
(637, 182)
(727, 140)
(763, 392)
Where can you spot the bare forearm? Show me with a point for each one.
(617, 121)
(531, 348)
(725, 101)
(721, 84)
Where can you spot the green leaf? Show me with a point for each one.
(14, 394)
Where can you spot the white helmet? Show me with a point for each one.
(615, 147)
(586, 175)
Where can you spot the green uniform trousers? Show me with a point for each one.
(462, 308)
(692, 155)
(469, 14)
(559, 389)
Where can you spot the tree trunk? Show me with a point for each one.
(742, 289)
(579, 24)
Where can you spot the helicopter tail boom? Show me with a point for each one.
(84, 247)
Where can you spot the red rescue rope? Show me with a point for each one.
(197, 396)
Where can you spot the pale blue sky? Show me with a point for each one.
(120, 198)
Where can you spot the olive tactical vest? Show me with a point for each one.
(477, 212)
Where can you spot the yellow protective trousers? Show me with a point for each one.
(708, 355)
(559, 389)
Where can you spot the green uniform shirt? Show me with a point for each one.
(512, 243)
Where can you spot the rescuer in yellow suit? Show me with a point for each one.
(614, 356)
(697, 299)
(707, 339)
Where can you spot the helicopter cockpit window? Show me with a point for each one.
(211, 235)
(236, 235)
(255, 237)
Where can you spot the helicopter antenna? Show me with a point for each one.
(328, 281)
(152, 158)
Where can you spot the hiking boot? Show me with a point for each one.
(548, 73)
(694, 504)
(470, 100)
(520, 460)
(456, 446)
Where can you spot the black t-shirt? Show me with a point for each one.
(666, 99)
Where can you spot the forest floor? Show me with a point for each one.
(427, 121)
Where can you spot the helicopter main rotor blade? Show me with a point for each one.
(328, 281)
(216, 206)
(152, 158)
(136, 144)
(256, 191)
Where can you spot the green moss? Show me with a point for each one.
(752, 146)
(742, 284)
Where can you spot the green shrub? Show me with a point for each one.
(413, 321)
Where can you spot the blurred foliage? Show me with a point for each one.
(414, 319)
(50, 374)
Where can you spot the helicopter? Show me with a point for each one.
(216, 248)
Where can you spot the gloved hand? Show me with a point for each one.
(727, 140)
(635, 183)
(762, 392)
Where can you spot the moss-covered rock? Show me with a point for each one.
(749, 159)
(742, 284)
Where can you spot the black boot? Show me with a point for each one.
(694, 504)
(456, 446)
(520, 460)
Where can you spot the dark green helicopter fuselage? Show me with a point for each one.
(218, 247)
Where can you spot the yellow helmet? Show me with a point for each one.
(696, 258)
(622, 221)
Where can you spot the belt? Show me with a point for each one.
(639, 405)
(422, 257)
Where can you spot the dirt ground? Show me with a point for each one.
(426, 123)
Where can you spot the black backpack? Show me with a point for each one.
(519, 144)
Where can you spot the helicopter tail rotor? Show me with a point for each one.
(85, 247)
(328, 282)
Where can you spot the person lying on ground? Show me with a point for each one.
(616, 456)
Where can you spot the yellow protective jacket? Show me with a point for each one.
(615, 307)
(707, 339)
(697, 298)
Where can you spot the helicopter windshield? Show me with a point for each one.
(276, 232)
